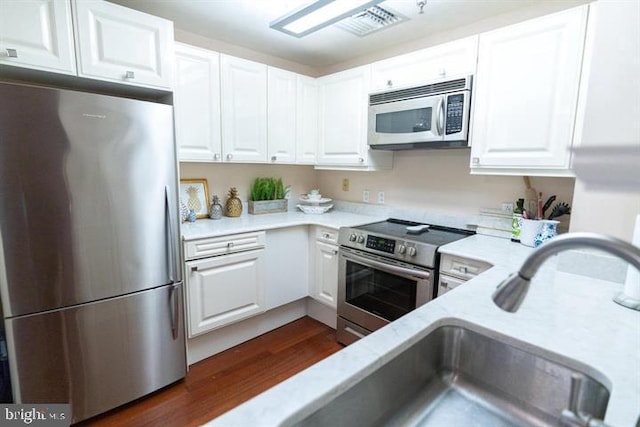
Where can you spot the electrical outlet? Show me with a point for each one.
(507, 207)
(365, 196)
(381, 197)
(345, 184)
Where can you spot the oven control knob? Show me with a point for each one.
(352, 237)
(412, 251)
(361, 239)
(402, 249)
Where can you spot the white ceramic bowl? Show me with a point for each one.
(313, 209)
(314, 197)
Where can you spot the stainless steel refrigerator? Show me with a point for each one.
(90, 277)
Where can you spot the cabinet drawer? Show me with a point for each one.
(327, 235)
(463, 268)
(223, 245)
(447, 283)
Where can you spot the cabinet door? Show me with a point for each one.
(197, 104)
(325, 277)
(37, 34)
(343, 117)
(455, 58)
(526, 93)
(281, 113)
(123, 45)
(307, 120)
(224, 290)
(244, 110)
(287, 258)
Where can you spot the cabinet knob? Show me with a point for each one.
(361, 159)
(12, 53)
(229, 156)
(274, 158)
(194, 268)
(129, 75)
(230, 245)
(475, 160)
(442, 72)
(335, 252)
(389, 83)
(216, 156)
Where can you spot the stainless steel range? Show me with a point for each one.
(386, 269)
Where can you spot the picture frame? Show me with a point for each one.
(195, 195)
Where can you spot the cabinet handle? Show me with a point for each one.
(361, 159)
(335, 252)
(462, 269)
(274, 158)
(229, 156)
(216, 156)
(442, 72)
(12, 53)
(389, 83)
(230, 245)
(129, 75)
(475, 160)
(194, 268)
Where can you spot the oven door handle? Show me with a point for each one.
(420, 274)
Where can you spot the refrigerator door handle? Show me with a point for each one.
(172, 250)
(175, 311)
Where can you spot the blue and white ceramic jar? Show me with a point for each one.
(548, 231)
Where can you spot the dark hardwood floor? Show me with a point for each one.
(225, 380)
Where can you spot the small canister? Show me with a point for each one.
(516, 222)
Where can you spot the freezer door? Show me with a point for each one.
(100, 355)
(88, 198)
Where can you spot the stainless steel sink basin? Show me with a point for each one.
(459, 376)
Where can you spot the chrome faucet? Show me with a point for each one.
(512, 291)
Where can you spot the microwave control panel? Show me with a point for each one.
(455, 113)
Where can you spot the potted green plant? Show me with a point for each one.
(267, 195)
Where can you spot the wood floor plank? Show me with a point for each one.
(221, 382)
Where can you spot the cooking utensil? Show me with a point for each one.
(531, 196)
(560, 209)
(547, 204)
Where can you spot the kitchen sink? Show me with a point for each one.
(463, 375)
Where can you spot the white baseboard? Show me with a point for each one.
(321, 312)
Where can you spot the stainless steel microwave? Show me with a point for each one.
(432, 115)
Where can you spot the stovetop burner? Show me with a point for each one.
(407, 241)
(435, 234)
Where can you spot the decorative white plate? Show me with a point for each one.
(305, 199)
(314, 210)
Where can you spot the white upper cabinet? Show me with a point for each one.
(307, 120)
(343, 122)
(37, 34)
(122, 45)
(455, 58)
(244, 110)
(197, 104)
(281, 115)
(526, 94)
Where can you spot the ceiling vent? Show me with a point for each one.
(370, 20)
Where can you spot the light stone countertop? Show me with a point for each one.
(204, 228)
(568, 315)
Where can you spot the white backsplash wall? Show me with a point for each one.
(439, 180)
(222, 176)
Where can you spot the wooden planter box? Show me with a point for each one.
(267, 206)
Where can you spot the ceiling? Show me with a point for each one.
(245, 23)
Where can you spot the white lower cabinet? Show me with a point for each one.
(324, 272)
(224, 278)
(224, 289)
(287, 265)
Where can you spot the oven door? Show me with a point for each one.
(373, 290)
(409, 121)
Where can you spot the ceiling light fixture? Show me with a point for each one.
(318, 15)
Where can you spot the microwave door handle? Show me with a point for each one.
(387, 267)
(440, 116)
